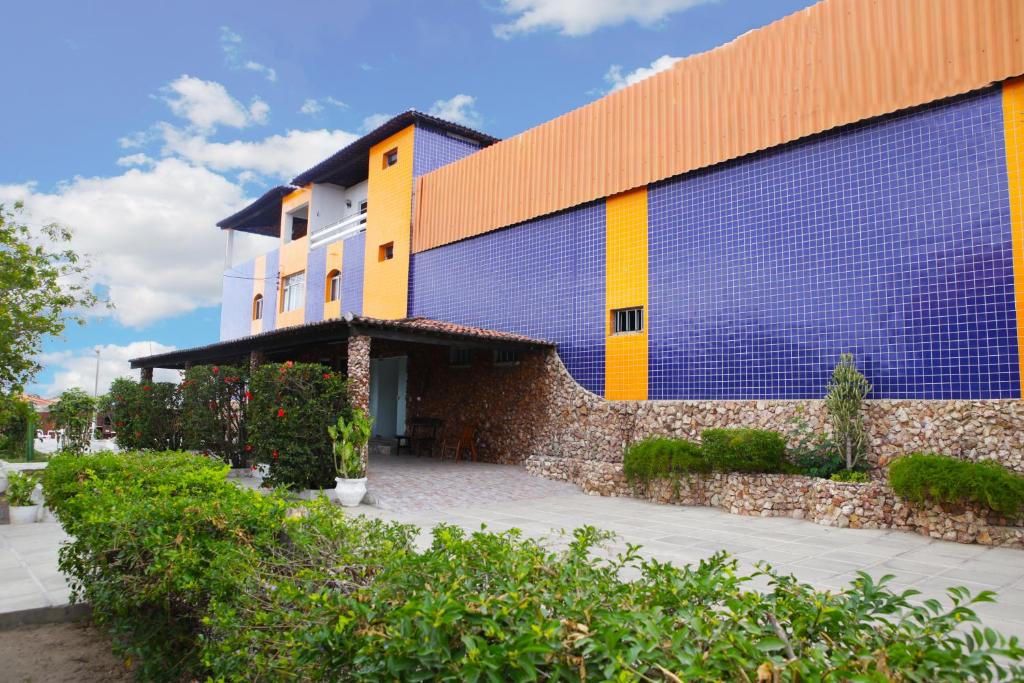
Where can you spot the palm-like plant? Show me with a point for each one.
(348, 437)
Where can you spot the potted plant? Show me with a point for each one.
(348, 438)
(19, 498)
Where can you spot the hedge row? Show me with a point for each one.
(276, 415)
(721, 450)
(199, 579)
(942, 479)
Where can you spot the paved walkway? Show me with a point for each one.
(405, 483)
(426, 492)
(29, 577)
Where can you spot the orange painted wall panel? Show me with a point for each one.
(389, 195)
(1013, 120)
(625, 368)
(832, 64)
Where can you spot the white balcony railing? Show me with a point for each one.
(339, 230)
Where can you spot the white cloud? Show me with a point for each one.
(458, 109)
(311, 106)
(207, 104)
(315, 106)
(374, 120)
(618, 80)
(231, 46)
(150, 232)
(282, 156)
(580, 17)
(269, 73)
(77, 368)
(138, 159)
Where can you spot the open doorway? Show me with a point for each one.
(388, 378)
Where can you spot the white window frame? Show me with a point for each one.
(628, 320)
(293, 292)
(334, 287)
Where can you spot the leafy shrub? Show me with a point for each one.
(811, 453)
(845, 404)
(851, 476)
(145, 414)
(942, 479)
(290, 408)
(72, 415)
(19, 489)
(657, 457)
(199, 579)
(744, 450)
(213, 407)
(16, 414)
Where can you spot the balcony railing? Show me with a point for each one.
(339, 230)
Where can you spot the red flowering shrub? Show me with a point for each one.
(290, 408)
(213, 407)
(144, 415)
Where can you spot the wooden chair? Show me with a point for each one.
(466, 440)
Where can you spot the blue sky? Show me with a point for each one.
(142, 124)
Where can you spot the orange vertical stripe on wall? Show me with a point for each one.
(625, 364)
(1013, 123)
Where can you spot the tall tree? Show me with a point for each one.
(43, 286)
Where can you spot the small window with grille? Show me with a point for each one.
(627, 320)
(460, 358)
(505, 357)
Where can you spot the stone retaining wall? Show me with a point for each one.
(533, 413)
(829, 503)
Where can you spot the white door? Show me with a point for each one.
(387, 396)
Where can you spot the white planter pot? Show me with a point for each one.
(24, 514)
(259, 472)
(37, 495)
(350, 492)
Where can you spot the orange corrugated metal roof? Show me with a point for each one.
(832, 64)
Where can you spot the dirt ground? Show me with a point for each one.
(58, 653)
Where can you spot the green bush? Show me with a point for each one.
(214, 400)
(851, 476)
(196, 578)
(72, 415)
(657, 457)
(145, 415)
(16, 416)
(942, 479)
(744, 450)
(290, 408)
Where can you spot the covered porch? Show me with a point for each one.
(435, 390)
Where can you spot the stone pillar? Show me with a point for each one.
(146, 374)
(256, 359)
(359, 372)
(359, 379)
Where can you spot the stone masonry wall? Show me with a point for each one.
(534, 414)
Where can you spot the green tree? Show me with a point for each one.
(845, 403)
(43, 285)
(72, 414)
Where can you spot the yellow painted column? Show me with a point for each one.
(625, 369)
(388, 228)
(293, 258)
(259, 288)
(335, 260)
(1013, 122)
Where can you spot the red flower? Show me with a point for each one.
(248, 447)
(289, 364)
(275, 455)
(248, 396)
(327, 375)
(215, 369)
(280, 412)
(146, 388)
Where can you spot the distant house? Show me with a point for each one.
(42, 407)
